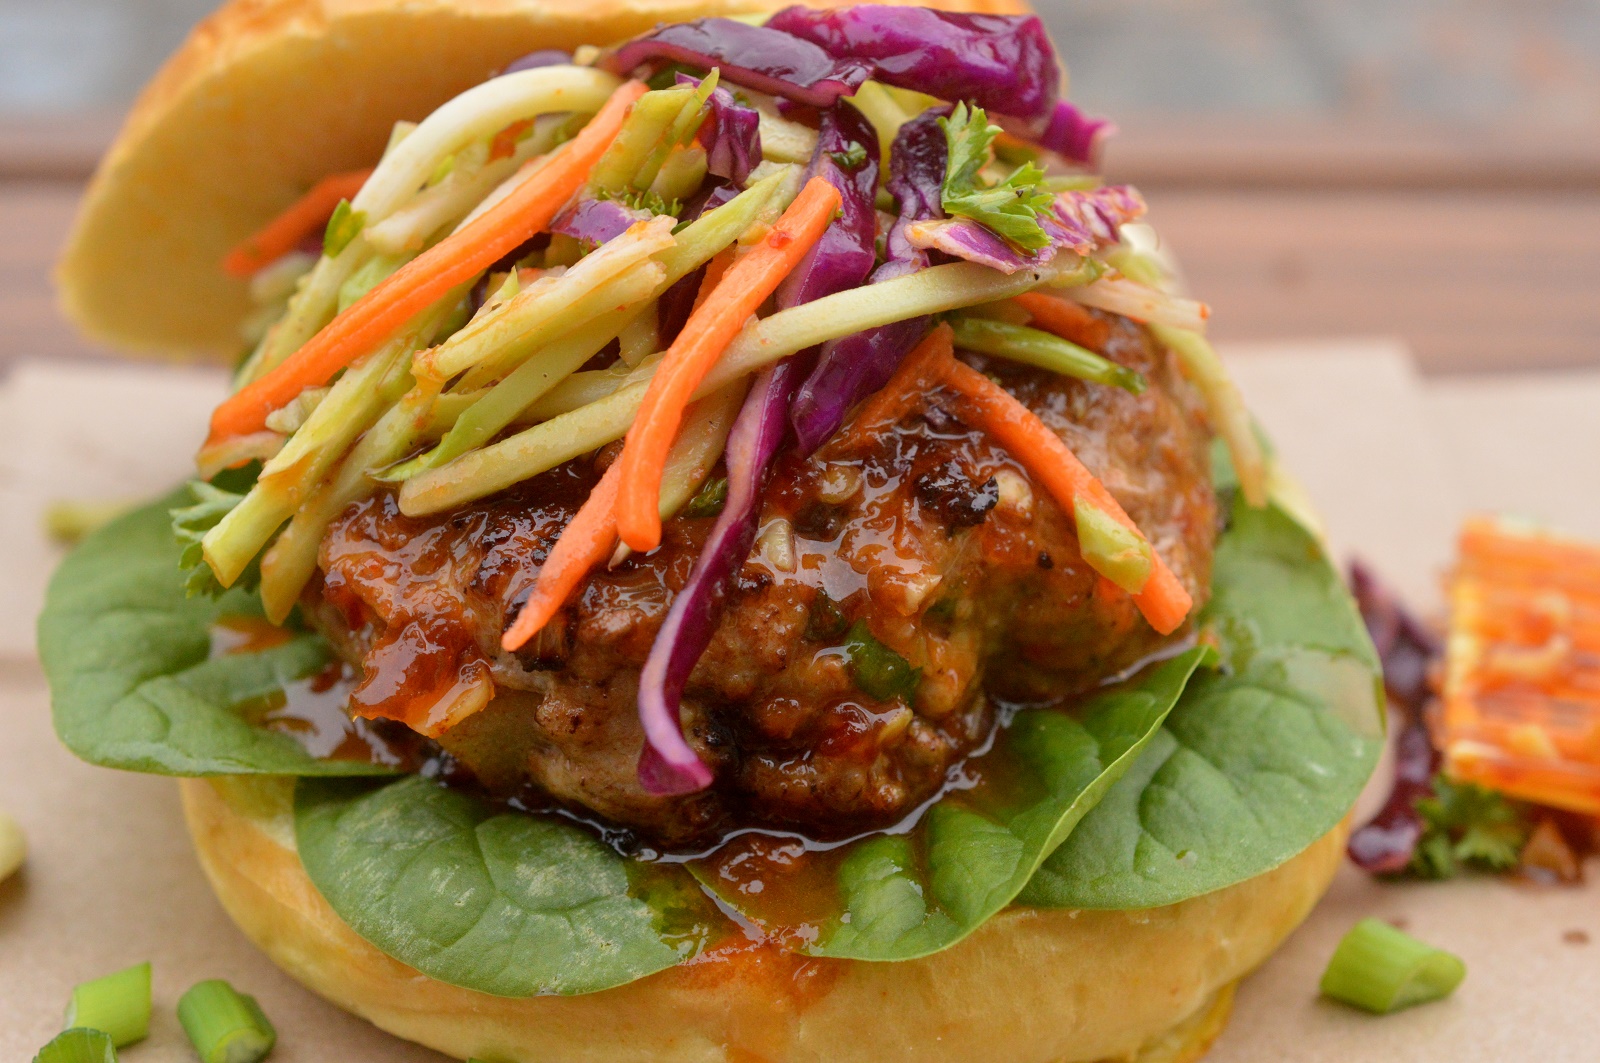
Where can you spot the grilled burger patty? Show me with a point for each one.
(899, 577)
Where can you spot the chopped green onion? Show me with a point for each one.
(877, 670)
(225, 1025)
(825, 622)
(709, 500)
(1381, 969)
(345, 225)
(1111, 548)
(78, 1046)
(119, 1004)
(1031, 346)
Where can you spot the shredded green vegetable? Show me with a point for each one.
(1032, 346)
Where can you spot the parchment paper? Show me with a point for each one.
(1392, 463)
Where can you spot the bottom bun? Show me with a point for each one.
(1029, 986)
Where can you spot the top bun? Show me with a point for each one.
(268, 96)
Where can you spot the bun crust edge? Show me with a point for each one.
(264, 98)
(1030, 986)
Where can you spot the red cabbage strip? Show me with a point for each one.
(1068, 131)
(1002, 63)
(534, 60)
(845, 254)
(1408, 650)
(840, 260)
(758, 57)
(1080, 222)
(731, 134)
(851, 368)
(597, 220)
(668, 765)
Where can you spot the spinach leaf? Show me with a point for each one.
(132, 681)
(896, 897)
(501, 902)
(1258, 760)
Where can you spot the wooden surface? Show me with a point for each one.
(1481, 251)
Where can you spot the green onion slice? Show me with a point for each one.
(878, 671)
(78, 1046)
(225, 1025)
(118, 1004)
(1381, 969)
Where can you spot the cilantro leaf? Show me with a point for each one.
(635, 199)
(189, 527)
(851, 159)
(1009, 208)
(1467, 826)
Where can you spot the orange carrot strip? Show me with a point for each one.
(1163, 600)
(708, 332)
(1071, 321)
(713, 276)
(584, 544)
(504, 144)
(302, 218)
(383, 311)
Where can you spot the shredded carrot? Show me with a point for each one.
(504, 144)
(302, 219)
(708, 332)
(399, 298)
(584, 544)
(1071, 321)
(1163, 599)
(713, 276)
(1522, 686)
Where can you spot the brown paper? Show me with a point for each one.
(1392, 464)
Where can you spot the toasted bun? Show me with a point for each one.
(1030, 986)
(265, 98)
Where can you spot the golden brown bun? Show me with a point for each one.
(1030, 986)
(266, 97)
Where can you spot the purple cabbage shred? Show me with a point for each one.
(1408, 651)
(1078, 222)
(534, 60)
(596, 221)
(757, 57)
(731, 134)
(847, 156)
(853, 367)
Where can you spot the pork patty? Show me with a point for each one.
(898, 578)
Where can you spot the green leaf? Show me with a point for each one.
(498, 901)
(906, 895)
(1258, 760)
(133, 682)
(208, 504)
(1009, 208)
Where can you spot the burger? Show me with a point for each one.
(726, 542)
